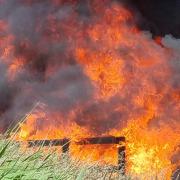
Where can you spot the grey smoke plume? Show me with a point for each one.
(29, 23)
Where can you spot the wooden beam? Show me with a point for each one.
(53, 142)
(101, 140)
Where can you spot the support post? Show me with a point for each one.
(122, 159)
(65, 146)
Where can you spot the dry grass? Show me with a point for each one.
(19, 163)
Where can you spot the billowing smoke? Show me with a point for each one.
(48, 71)
(41, 64)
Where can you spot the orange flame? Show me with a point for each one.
(118, 59)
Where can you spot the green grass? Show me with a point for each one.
(18, 163)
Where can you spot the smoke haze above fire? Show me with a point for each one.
(41, 64)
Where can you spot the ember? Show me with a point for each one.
(96, 74)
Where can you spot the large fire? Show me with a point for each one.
(129, 79)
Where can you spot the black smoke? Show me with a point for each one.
(161, 17)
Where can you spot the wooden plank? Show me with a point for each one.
(54, 142)
(101, 140)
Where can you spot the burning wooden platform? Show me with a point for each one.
(65, 143)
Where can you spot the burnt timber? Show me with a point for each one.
(101, 140)
(55, 142)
